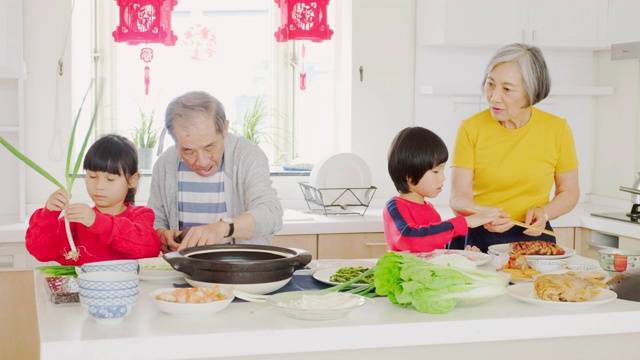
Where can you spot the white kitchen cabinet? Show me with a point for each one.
(307, 242)
(351, 246)
(628, 243)
(546, 23)
(623, 25)
(565, 237)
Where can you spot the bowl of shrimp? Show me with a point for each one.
(191, 301)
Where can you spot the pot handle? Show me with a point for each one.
(179, 262)
(303, 258)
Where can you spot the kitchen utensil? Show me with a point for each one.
(238, 264)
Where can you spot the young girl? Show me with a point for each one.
(114, 228)
(416, 162)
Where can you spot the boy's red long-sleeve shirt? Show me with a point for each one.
(128, 235)
(413, 227)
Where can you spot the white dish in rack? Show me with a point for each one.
(343, 170)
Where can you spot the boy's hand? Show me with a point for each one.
(81, 213)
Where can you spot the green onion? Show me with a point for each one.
(70, 177)
(58, 270)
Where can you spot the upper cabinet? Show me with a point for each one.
(579, 24)
(623, 21)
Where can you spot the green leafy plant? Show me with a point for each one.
(253, 127)
(70, 174)
(145, 135)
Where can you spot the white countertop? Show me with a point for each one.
(377, 330)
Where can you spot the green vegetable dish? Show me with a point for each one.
(349, 273)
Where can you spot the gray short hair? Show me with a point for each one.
(530, 61)
(195, 102)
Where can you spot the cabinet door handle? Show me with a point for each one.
(376, 243)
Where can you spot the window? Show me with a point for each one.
(234, 56)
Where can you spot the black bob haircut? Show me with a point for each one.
(413, 152)
(114, 154)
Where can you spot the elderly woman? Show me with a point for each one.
(510, 155)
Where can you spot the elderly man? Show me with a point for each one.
(212, 183)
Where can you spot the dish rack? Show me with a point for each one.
(337, 201)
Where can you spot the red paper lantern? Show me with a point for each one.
(303, 20)
(145, 21)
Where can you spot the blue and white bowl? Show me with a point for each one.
(108, 294)
(125, 300)
(111, 265)
(109, 314)
(108, 280)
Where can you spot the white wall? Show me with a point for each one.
(616, 146)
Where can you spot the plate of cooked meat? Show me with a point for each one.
(563, 291)
(533, 250)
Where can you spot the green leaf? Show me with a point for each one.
(30, 163)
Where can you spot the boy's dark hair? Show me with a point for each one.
(413, 152)
(114, 154)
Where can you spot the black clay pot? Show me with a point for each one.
(238, 264)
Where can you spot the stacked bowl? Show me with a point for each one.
(109, 295)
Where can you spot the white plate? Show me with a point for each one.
(157, 269)
(342, 170)
(190, 309)
(478, 258)
(525, 292)
(323, 276)
(504, 249)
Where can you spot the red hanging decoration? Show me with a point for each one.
(143, 22)
(303, 20)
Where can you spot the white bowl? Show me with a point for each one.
(124, 300)
(580, 267)
(545, 266)
(109, 314)
(190, 309)
(157, 269)
(255, 289)
(310, 305)
(108, 294)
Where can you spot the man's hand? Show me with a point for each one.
(167, 238)
(209, 234)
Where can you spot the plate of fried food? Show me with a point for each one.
(519, 269)
(567, 291)
(533, 249)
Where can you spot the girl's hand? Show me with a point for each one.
(81, 213)
(57, 201)
(472, 248)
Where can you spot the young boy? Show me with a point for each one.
(416, 161)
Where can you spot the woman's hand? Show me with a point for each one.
(536, 217)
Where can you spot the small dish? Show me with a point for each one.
(545, 266)
(316, 305)
(190, 309)
(580, 267)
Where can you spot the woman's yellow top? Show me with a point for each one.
(514, 169)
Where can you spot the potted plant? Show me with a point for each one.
(253, 125)
(145, 136)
